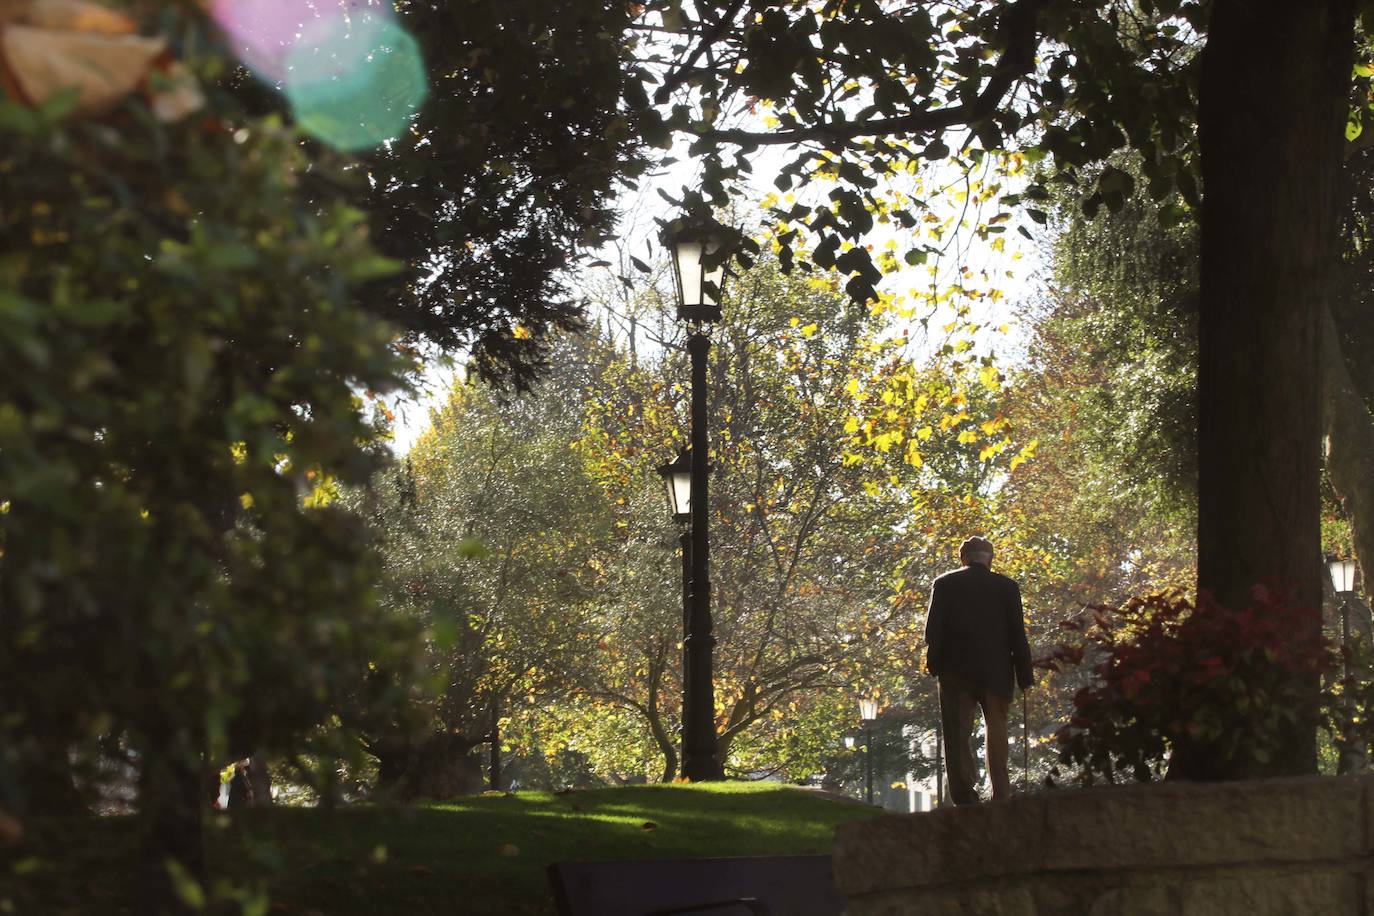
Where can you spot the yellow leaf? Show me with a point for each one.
(809, 330)
(913, 454)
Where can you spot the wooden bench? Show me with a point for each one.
(752, 886)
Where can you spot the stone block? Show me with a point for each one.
(940, 847)
(1367, 798)
(1195, 824)
(1007, 901)
(1134, 901)
(1274, 893)
(1074, 848)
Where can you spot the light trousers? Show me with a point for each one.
(958, 702)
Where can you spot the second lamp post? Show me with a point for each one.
(699, 249)
(1350, 758)
(868, 712)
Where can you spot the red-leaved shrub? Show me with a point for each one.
(1170, 681)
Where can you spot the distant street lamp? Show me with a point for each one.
(850, 741)
(868, 711)
(1343, 581)
(700, 249)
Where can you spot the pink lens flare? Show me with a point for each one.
(353, 77)
(263, 33)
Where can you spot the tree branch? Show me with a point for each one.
(1018, 34)
(683, 72)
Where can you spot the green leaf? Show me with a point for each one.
(230, 256)
(60, 105)
(472, 549)
(187, 888)
(373, 268)
(19, 119)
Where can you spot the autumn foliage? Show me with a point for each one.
(1168, 679)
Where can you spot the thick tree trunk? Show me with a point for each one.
(170, 794)
(260, 779)
(1275, 80)
(438, 765)
(46, 784)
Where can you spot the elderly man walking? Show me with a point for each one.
(976, 641)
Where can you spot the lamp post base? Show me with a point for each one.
(699, 744)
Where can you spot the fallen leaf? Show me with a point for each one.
(650, 825)
(508, 849)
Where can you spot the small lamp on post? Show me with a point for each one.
(868, 711)
(1342, 575)
(1343, 581)
(850, 741)
(677, 480)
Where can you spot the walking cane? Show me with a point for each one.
(939, 749)
(1025, 746)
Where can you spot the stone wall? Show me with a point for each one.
(1280, 846)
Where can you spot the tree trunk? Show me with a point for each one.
(170, 793)
(1275, 81)
(46, 784)
(654, 714)
(438, 765)
(494, 766)
(260, 779)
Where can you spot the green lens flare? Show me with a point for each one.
(356, 83)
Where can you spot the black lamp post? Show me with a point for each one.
(1343, 581)
(700, 249)
(868, 711)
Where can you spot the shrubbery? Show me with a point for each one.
(1173, 680)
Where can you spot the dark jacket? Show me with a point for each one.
(975, 630)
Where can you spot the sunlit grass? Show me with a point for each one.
(480, 855)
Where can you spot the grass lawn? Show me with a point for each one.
(482, 856)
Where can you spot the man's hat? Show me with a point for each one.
(975, 544)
